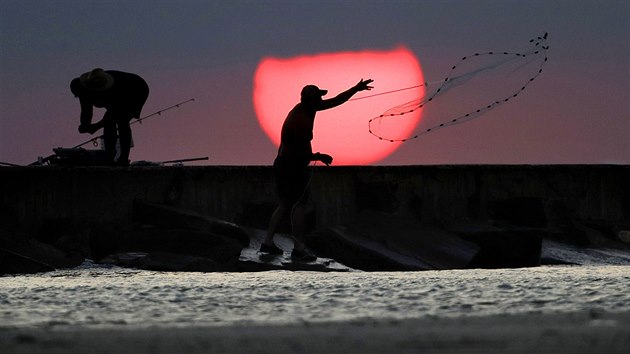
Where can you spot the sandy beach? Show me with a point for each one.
(592, 332)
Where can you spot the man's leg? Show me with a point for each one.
(297, 226)
(124, 134)
(299, 248)
(109, 137)
(276, 217)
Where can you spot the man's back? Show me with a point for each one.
(297, 133)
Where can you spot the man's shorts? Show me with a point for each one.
(292, 180)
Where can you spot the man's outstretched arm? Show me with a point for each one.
(346, 95)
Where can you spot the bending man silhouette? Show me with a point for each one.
(123, 95)
(291, 165)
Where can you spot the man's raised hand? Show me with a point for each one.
(364, 85)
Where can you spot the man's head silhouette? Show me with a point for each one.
(96, 80)
(312, 93)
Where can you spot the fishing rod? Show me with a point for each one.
(162, 163)
(139, 120)
(41, 161)
(187, 160)
(8, 164)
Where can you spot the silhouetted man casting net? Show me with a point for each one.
(291, 165)
(123, 95)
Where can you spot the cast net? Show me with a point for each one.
(475, 85)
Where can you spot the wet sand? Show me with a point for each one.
(592, 332)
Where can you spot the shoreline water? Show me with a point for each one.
(580, 332)
(551, 309)
(113, 296)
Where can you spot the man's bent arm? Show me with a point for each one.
(86, 112)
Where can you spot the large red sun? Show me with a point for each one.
(342, 131)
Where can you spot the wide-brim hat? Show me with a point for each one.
(312, 91)
(97, 80)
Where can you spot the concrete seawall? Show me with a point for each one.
(521, 195)
(370, 218)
